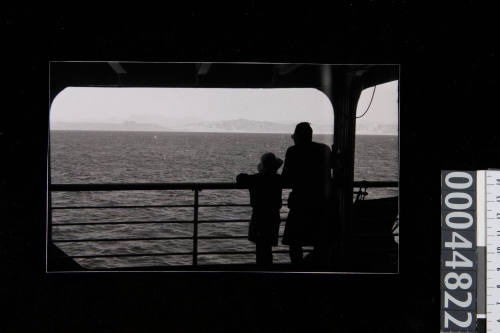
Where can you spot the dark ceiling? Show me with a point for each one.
(211, 75)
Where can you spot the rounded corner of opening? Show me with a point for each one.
(57, 96)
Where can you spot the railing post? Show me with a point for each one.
(195, 228)
(49, 217)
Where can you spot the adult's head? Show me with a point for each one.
(302, 134)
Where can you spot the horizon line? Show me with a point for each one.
(218, 132)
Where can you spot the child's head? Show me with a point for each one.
(269, 163)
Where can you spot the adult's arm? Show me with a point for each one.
(286, 174)
(327, 171)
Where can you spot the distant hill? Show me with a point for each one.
(234, 125)
(254, 126)
(239, 125)
(124, 126)
(380, 129)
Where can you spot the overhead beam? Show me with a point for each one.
(376, 76)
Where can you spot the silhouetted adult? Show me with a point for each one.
(307, 170)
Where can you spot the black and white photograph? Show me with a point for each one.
(249, 167)
(223, 167)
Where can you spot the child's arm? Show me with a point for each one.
(243, 179)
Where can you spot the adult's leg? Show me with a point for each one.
(296, 254)
(258, 253)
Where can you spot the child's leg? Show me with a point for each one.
(268, 254)
(264, 254)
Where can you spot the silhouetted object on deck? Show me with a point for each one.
(265, 198)
(372, 228)
(307, 171)
(57, 260)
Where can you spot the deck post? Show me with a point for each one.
(344, 90)
(49, 192)
(195, 227)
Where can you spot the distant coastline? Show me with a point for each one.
(226, 126)
(206, 132)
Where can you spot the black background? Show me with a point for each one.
(448, 104)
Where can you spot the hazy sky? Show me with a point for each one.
(384, 107)
(151, 105)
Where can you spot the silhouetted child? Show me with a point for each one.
(265, 199)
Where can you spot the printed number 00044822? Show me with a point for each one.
(458, 219)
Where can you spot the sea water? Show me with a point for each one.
(163, 157)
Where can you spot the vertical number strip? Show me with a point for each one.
(458, 251)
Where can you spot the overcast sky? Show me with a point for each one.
(152, 105)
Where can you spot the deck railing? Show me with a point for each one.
(195, 187)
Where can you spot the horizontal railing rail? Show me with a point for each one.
(183, 186)
(196, 187)
(149, 206)
(155, 222)
(169, 254)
